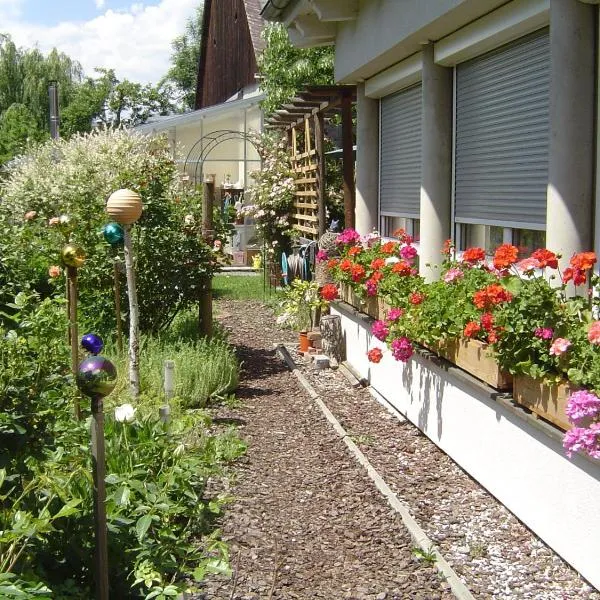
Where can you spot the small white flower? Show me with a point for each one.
(124, 413)
(390, 260)
(188, 220)
(64, 219)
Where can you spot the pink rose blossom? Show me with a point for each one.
(453, 274)
(30, 215)
(54, 271)
(559, 346)
(528, 264)
(348, 236)
(54, 221)
(380, 330)
(594, 332)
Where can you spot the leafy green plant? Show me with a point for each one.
(300, 301)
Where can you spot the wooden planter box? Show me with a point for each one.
(547, 400)
(473, 357)
(370, 305)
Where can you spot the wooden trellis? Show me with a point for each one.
(303, 119)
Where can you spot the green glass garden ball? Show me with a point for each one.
(96, 376)
(73, 255)
(113, 234)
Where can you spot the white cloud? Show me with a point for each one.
(100, 4)
(136, 42)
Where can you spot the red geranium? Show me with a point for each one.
(416, 298)
(377, 276)
(487, 321)
(354, 250)
(332, 263)
(490, 296)
(389, 247)
(346, 265)
(473, 255)
(329, 292)
(546, 258)
(471, 329)
(401, 268)
(448, 247)
(358, 273)
(377, 263)
(505, 256)
(375, 355)
(577, 275)
(583, 260)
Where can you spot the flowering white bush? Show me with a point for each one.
(272, 194)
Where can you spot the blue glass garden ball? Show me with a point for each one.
(96, 376)
(92, 343)
(113, 234)
(72, 255)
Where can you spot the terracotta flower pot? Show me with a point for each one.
(303, 344)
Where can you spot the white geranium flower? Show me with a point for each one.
(390, 260)
(124, 413)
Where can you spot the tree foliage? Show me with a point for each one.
(183, 73)
(286, 69)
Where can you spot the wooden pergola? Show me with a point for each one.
(304, 117)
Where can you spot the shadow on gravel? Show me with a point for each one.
(258, 362)
(229, 421)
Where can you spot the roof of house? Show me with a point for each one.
(256, 24)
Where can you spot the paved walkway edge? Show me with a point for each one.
(418, 535)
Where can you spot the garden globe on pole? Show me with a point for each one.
(125, 207)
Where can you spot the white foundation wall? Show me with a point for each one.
(519, 461)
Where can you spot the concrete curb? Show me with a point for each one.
(459, 589)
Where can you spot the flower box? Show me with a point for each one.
(369, 305)
(547, 400)
(473, 357)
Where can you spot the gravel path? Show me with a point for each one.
(307, 522)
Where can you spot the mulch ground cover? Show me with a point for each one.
(306, 521)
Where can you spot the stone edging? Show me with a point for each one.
(420, 538)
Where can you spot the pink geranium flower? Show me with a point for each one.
(380, 330)
(544, 333)
(594, 332)
(402, 349)
(453, 274)
(394, 314)
(408, 252)
(582, 406)
(322, 255)
(559, 346)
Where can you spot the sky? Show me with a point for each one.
(134, 38)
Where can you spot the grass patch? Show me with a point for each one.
(240, 287)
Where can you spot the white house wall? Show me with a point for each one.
(518, 460)
(401, 28)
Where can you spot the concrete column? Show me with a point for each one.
(570, 168)
(436, 162)
(367, 164)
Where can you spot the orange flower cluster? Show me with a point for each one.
(375, 355)
(377, 264)
(473, 255)
(332, 263)
(490, 296)
(346, 265)
(358, 273)
(377, 276)
(505, 256)
(545, 258)
(389, 248)
(404, 237)
(471, 329)
(329, 292)
(354, 250)
(401, 268)
(448, 247)
(416, 298)
(580, 263)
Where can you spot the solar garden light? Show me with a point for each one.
(125, 207)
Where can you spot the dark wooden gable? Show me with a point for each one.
(230, 36)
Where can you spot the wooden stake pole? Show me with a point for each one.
(134, 342)
(348, 161)
(73, 335)
(205, 304)
(118, 306)
(99, 474)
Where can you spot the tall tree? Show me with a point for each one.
(285, 69)
(183, 73)
(18, 127)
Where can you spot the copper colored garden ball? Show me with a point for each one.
(124, 206)
(96, 376)
(92, 343)
(113, 234)
(73, 255)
